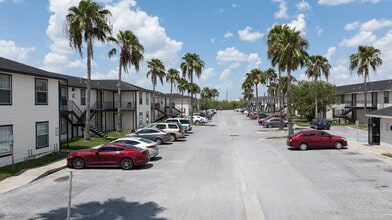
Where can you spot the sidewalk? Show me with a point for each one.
(30, 175)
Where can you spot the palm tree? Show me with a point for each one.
(271, 75)
(182, 86)
(131, 53)
(192, 64)
(172, 76)
(88, 22)
(157, 71)
(317, 65)
(256, 77)
(366, 57)
(205, 93)
(214, 93)
(287, 50)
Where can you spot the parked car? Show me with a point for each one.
(203, 114)
(197, 119)
(183, 121)
(320, 123)
(315, 139)
(151, 146)
(261, 115)
(112, 155)
(261, 120)
(274, 122)
(173, 129)
(153, 134)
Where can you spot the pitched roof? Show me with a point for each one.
(9, 66)
(370, 86)
(381, 113)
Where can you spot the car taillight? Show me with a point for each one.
(166, 134)
(150, 146)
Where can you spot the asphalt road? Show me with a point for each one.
(228, 170)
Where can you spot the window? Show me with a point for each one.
(147, 98)
(41, 91)
(42, 134)
(63, 126)
(341, 99)
(5, 134)
(386, 97)
(5, 89)
(140, 98)
(147, 117)
(141, 119)
(83, 97)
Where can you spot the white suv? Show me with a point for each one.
(172, 129)
(183, 121)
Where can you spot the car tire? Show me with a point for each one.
(78, 163)
(197, 122)
(303, 146)
(173, 137)
(126, 163)
(338, 145)
(269, 126)
(159, 141)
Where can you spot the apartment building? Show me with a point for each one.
(350, 106)
(29, 112)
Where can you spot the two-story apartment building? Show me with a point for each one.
(29, 112)
(351, 105)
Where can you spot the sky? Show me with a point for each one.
(228, 35)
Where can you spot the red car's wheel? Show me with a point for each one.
(78, 163)
(338, 145)
(126, 163)
(303, 146)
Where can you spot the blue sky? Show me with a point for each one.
(229, 36)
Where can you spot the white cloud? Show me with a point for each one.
(319, 30)
(299, 23)
(330, 52)
(207, 74)
(352, 26)
(212, 40)
(247, 35)
(254, 61)
(282, 13)
(363, 37)
(229, 56)
(228, 34)
(224, 74)
(375, 24)
(303, 6)
(334, 2)
(10, 50)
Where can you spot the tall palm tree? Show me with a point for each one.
(182, 86)
(366, 57)
(247, 87)
(205, 93)
(256, 77)
(317, 65)
(271, 76)
(88, 22)
(287, 50)
(191, 64)
(273, 35)
(172, 76)
(157, 71)
(214, 93)
(131, 53)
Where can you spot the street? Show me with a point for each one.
(227, 170)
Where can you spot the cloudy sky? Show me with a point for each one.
(229, 36)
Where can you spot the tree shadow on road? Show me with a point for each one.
(110, 209)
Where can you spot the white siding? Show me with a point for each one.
(23, 115)
(386, 132)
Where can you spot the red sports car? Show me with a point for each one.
(114, 155)
(315, 139)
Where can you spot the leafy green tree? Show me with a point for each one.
(303, 97)
(87, 22)
(366, 57)
(316, 67)
(131, 53)
(287, 50)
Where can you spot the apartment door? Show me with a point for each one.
(374, 131)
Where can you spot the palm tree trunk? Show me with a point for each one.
(87, 135)
(119, 125)
(315, 98)
(280, 98)
(289, 113)
(365, 93)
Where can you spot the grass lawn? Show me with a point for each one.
(10, 170)
(388, 155)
